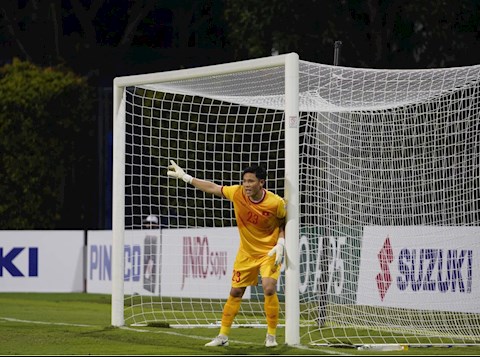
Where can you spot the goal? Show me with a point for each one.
(380, 170)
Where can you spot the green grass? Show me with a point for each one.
(79, 324)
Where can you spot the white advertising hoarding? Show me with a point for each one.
(41, 261)
(194, 262)
(420, 267)
(99, 262)
(198, 262)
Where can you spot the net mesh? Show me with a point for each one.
(382, 148)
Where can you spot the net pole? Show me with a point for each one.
(118, 204)
(292, 261)
(336, 52)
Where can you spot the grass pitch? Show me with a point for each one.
(79, 324)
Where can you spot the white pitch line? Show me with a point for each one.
(45, 322)
(163, 332)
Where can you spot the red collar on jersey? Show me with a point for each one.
(261, 198)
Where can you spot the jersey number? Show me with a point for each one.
(252, 218)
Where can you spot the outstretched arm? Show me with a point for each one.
(206, 186)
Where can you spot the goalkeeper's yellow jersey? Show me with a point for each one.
(258, 222)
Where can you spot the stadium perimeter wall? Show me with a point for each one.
(80, 261)
(199, 263)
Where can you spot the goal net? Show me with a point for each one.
(383, 235)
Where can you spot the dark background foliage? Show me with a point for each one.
(55, 122)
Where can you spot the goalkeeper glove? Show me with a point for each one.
(176, 171)
(278, 250)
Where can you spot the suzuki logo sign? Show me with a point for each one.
(6, 262)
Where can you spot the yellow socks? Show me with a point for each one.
(232, 306)
(272, 307)
(230, 310)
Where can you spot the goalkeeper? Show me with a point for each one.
(260, 216)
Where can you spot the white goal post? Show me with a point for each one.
(290, 64)
(380, 170)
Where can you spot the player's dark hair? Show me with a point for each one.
(259, 172)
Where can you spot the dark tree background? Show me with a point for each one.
(101, 39)
(46, 146)
(374, 33)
